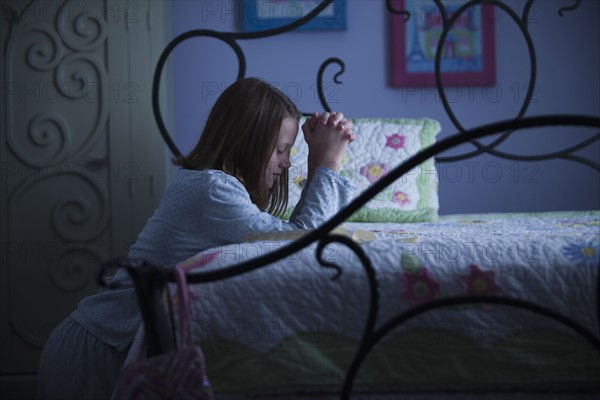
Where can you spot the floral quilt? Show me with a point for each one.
(289, 325)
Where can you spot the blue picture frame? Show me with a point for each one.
(259, 15)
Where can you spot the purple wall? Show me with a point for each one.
(568, 82)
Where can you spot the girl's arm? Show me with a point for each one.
(229, 216)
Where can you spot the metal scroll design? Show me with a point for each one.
(321, 73)
(522, 23)
(371, 336)
(230, 38)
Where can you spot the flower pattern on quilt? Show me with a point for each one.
(400, 198)
(585, 254)
(480, 282)
(395, 141)
(419, 287)
(373, 171)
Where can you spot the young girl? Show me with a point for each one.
(232, 184)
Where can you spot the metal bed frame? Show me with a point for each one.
(150, 281)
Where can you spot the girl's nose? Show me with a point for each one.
(285, 163)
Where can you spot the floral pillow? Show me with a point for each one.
(381, 145)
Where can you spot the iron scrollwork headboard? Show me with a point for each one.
(323, 235)
(522, 22)
(231, 39)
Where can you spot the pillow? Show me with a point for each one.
(381, 144)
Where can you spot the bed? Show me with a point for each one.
(388, 300)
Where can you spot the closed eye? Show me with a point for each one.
(284, 148)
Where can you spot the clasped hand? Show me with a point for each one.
(327, 136)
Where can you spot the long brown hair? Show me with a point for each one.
(239, 137)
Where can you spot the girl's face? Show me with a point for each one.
(280, 159)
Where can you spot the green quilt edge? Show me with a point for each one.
(316, 360)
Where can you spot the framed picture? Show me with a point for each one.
(258, 15)
(468, 56)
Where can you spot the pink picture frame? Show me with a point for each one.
(468, 58)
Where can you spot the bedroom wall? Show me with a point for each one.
(568, 82)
